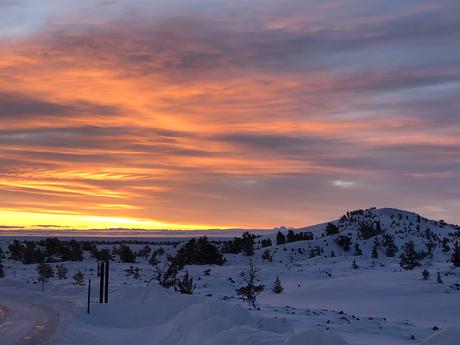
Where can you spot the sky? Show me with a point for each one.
(216, 114)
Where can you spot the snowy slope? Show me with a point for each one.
(325, 300)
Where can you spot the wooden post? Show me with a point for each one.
(89, 296)
(106, 282)
(101, 285)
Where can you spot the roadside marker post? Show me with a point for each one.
(104, 282)
(89, 296)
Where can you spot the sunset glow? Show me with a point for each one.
(194, 115)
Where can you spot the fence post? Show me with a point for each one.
(89, 296)
(106, 282)
(101, 284)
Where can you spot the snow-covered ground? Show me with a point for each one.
(325, 300)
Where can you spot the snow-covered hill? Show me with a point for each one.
(377, 227)
(332, 294)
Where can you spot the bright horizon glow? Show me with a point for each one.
(31, 220)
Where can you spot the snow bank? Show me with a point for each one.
(315, 337)
(448, 337)
(216, 322)
(157, 316)
(139, 307)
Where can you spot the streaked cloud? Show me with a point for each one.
(227, 113)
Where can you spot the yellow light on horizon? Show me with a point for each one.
(32, 220)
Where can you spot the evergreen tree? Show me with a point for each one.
(199, 252)
(367, 231)
(32, 254)
(266, 256)
(45, 272)
(389, 244)
(2, 271)
(61, 271)
(154, 258)
(251, 289)
(103, 255)
(185, 284)
(354, 265)
(425, 274)
(277, 287)
(166, 272)
(331, 229)
(79, 278)
(358, 250)
(144, 252)
(439, 279)
(126, 254)
(375, 251)
(248, 243)
(266, 242)
(344, 242)
(409, 258)
(16, 250)
(280, 238)
(290, 236)
(455, 259)
(445, 245)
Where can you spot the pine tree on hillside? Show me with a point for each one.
(277, 287)
(266, 242)
(455, 259)
(331, 229)
(290, 237)
(344, 242)
(375, 251)
(409, 258)
(266, 255)
(280, 238)
(389, 244)
(445, 245)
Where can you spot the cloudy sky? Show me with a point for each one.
(212, 113)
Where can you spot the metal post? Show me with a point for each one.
(101, 285)
(106, 282)
(89, 296)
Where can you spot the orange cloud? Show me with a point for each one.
(163, 121)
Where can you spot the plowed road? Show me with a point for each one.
(26, 324)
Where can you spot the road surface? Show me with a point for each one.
(24, 323)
